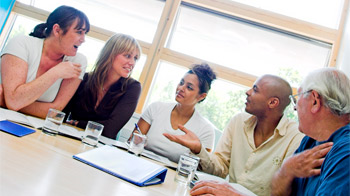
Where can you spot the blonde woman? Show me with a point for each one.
(108, 95)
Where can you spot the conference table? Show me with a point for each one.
(39, 164)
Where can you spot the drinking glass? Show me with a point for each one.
(137, 143)
(53, 121)
(92, 133)
(186, 168)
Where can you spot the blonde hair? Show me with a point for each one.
(115, 45)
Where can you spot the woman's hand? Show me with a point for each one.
(72, 122)
(189, 140)
(20, 94)
(67, 70)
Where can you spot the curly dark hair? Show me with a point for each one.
(205, 76)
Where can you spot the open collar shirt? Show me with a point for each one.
(250, 166)
(334, 178)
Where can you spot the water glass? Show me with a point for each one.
(137, 143)
(53, 121)
(92, 133)
(186, 168)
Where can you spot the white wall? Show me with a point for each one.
(343, 60)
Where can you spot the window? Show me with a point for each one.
(325, 12)
(23, 26)
(138, 18)
(245, 47)
(228, 34)
(165, 81)
(223, 100)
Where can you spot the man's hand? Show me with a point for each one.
(301, 165)
(214, 188)
(308, 162)
(189, 140)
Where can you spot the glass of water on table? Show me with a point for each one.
(186, 168)
(53, 121)
(92, 133)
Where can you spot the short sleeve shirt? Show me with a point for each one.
(158, 116)
(29, 49)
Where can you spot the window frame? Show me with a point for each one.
(157, 51)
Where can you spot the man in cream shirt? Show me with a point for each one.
(253, 145)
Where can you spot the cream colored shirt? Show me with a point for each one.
(247, 165)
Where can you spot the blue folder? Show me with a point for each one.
(15, 129)
(124, 165)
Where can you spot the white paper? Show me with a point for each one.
(108, 141)
(238, 187)
(161, 159)
(36, 122)
(121, 163)
(21, 118)
(145, 153)
(2, 114)
(71, 131)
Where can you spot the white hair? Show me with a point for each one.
(333, 86)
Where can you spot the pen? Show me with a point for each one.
(137, 128)
(69, 118)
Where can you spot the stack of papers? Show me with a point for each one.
(21, 118)
(161, 159)
(70, 131)
(124, 165)
(145, 153)
(38, 123)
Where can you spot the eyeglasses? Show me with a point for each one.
(295, 97)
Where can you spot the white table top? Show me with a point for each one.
(39, 164)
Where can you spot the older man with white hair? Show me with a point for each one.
(321, 164)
